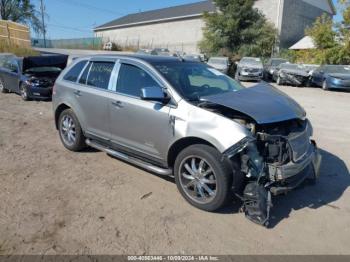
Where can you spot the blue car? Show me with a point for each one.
(31, 77)
(332, 77)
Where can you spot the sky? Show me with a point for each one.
(76, 18)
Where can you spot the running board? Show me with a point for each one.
(132, 160)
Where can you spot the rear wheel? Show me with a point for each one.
(70, 131)
(202, 178)
(325, 85)
(2, 87)
(279, 81)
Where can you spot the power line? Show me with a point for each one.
(90, 7)
(70, 28)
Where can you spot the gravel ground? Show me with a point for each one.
(57, 202)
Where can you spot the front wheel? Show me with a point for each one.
(203, 178)
(24, 92)
(279, 81)
(70, 131)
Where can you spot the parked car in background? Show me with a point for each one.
(145, 52)
(271, 66)
(161, 52)
(188, 120)
(108, 46)
(192, 57)
(220, 63)
(249, 69)
(31, 77)
(291, 74)
(332, 77)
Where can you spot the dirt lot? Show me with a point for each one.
(53, 201)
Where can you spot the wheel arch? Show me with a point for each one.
(58, 111)
(181, 144)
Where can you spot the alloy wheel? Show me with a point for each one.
(68, 130)
(198, 179)
(24, 93)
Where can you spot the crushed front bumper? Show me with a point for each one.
(288, 177)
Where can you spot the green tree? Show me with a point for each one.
(237, 28)
(21, 11)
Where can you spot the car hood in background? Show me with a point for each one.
(218, 66)
(295, 72)
(59, 61)
(263, 103)
(340, 76)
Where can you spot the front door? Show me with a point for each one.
(142, 126)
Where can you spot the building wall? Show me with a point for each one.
(271, 9)
(297, 16)
(176, 35)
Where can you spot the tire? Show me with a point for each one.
(3, 89)
(194, 186)
(24, 92)
(324, 85)
(279, 81)
(70, 131)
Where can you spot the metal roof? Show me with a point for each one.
(170, 13)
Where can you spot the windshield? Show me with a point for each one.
(337, 69)
(277, 62)
(220, 61)
(43, 69)
(194, 81)
(250, 61)
(292, 67)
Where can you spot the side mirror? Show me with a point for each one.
(236, 63)
(153, 94)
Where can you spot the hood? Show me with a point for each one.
(340, 76)
(295, 72)
(59, 61)
(263, 103)
(251, 66)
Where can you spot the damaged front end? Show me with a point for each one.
(279, 159)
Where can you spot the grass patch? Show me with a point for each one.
(17, 50)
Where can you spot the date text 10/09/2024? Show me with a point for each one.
(172, 258)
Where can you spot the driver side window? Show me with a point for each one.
(131, 79)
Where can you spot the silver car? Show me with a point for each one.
(220, 63)
(189, 121)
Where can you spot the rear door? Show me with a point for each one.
(93, 93)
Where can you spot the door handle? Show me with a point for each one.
(77, 93)
(118, 104)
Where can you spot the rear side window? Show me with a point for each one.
(75, 71)
(100, 74)
(132, 79)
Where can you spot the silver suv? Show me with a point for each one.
(189, 121)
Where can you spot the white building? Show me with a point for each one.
(181, 27)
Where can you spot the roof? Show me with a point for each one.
(170, 13)
(305, 43)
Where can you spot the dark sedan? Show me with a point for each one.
(31, 77)
(332, 77)
(271, 66)
(292, 74)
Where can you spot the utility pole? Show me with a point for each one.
(43, 21)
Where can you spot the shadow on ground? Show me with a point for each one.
(333, 182)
